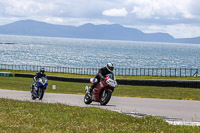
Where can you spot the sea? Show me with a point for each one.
(93, 53)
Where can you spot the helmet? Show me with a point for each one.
(110, 67)
(42, 70)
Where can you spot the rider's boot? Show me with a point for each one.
(32, 88)
(35, 88)
(90, 90)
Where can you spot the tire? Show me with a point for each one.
(106, 98)
(41, 94)
(87, 99)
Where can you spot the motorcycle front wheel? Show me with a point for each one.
(87, 99)
(41, 94)
(105, 97)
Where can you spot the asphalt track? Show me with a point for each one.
(174, 111)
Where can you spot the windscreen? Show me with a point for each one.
(111, 76)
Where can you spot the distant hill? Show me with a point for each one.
(195, 40)
(89, 31)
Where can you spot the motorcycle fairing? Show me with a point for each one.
(41, 83)
(97, 91)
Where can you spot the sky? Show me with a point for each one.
(179, 18)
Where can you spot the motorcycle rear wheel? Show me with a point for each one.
(87, 99)
(104, 99)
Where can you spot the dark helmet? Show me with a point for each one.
(42, 70)
(110, 67)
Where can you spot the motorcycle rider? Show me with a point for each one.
(101, 75)
(37, 76)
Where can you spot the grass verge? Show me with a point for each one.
(17, 83)
(24, 117)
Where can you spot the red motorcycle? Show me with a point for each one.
(103, 90)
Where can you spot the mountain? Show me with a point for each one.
(195, 40)
(89, 31)
(35, 28)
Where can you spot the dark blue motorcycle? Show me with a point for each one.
(38, 90)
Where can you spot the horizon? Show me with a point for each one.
(180, 19)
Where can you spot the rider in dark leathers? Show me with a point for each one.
(37, 76)
(101, 75)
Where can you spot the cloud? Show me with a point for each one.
(176, 30)
(115, 12)
(151, 8)
(27, 8)
(74, 21)
(145, 14)
(181, 30)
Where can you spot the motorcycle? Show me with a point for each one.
(103, 90)
(38, 90)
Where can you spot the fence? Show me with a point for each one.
(171, 72)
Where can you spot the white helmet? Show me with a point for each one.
(110, 67)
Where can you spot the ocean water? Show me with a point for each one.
(89, 53)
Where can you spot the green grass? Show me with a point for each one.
(158, 92)
(25, 117)
(91, 76)
(17, 83)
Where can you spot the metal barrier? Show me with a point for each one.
(6, 74)
(171, 72)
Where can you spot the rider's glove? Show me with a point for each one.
(106, 78)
